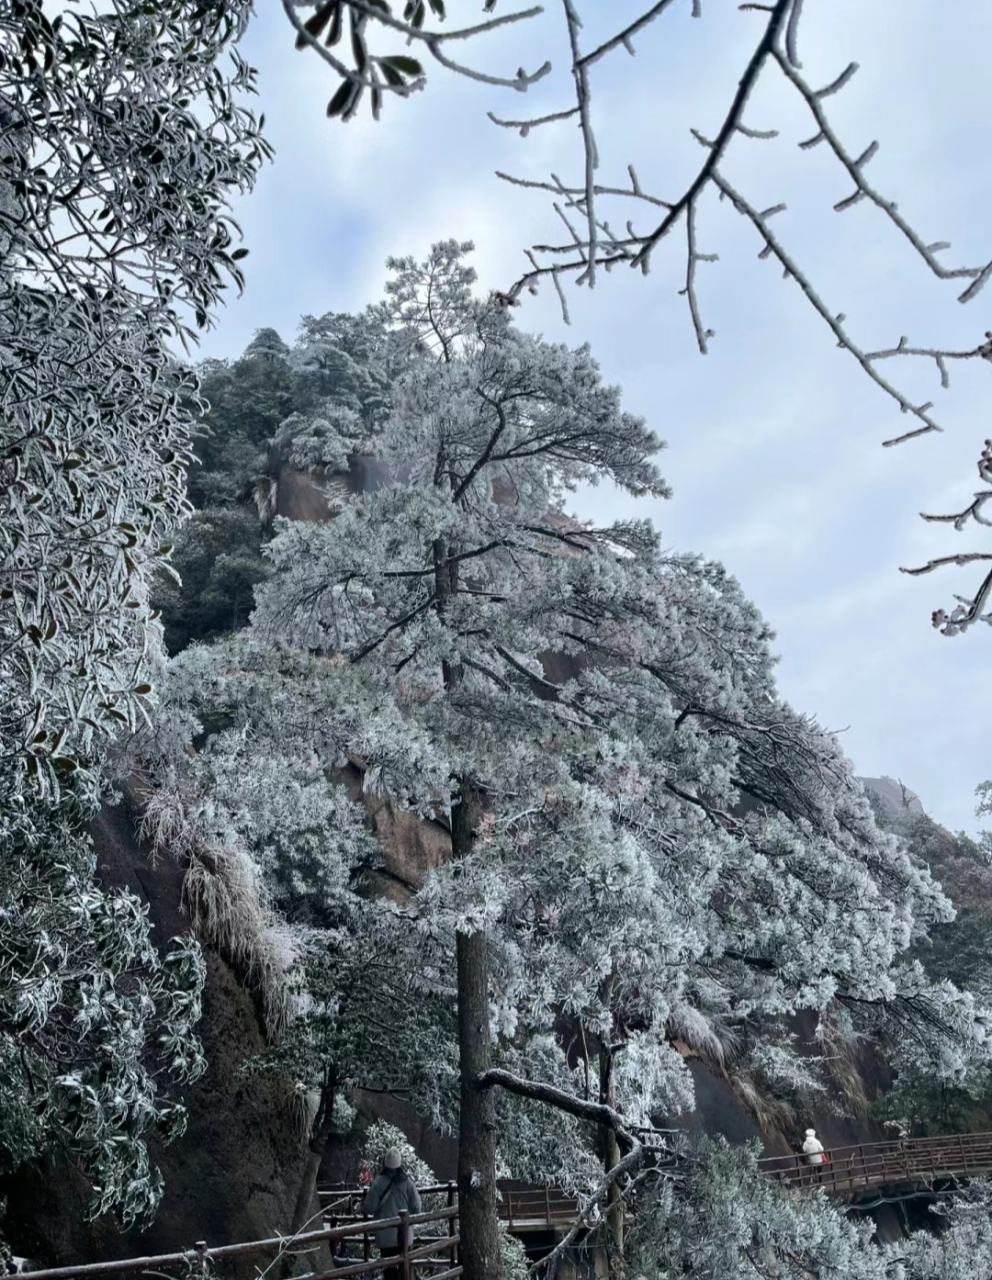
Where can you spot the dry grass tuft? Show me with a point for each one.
(226, 898)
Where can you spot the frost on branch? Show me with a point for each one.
(392, 73)
(968, 610)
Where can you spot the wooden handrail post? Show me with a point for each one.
(404, 1234)
(452, 1255)
(366, 1242)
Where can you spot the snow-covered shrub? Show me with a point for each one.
(379, 1137)
(97, 427)
(96, 1027)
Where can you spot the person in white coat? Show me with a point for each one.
(813, 1149)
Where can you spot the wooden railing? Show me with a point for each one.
(522, 1208)
(436, 1251)
(536, 1208)
(917, 1162)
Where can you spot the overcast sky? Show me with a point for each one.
(774, 438)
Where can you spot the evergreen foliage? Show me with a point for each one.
(94, 1022)
(247, 400)
(123, 135)
(271, 408)
(218, 560)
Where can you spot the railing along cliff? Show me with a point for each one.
(913, 1162)
(522, 1208)
(916, 1162)
(440, 1251)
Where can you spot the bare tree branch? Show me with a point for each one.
(644, 245)
(835, 322)
(863, 190)
(590, 242)
(538, 1091)
(599, 1113)
(525, 127)
(580, 73)
(967, 611)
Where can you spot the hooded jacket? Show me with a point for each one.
(392, 1191)
(813, 1148)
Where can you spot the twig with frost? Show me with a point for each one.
(968, 610)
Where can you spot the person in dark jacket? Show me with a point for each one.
(392, 1191)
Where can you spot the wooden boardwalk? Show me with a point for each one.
(523, 1207)
(910, 1162)
(916, 1163)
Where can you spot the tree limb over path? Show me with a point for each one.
(595, 1112)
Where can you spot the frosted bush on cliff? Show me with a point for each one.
(268, 844)
(96, 1027)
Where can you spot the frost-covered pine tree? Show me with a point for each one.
(643, 836)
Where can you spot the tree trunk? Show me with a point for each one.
(611, 1158)
(477, 1124)
(320, 1131)
(477, 1221)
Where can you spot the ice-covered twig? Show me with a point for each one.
(862, 188)
(967, 611)
(773, 247)
(940, 358)
(402, 76)
(693, 256)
